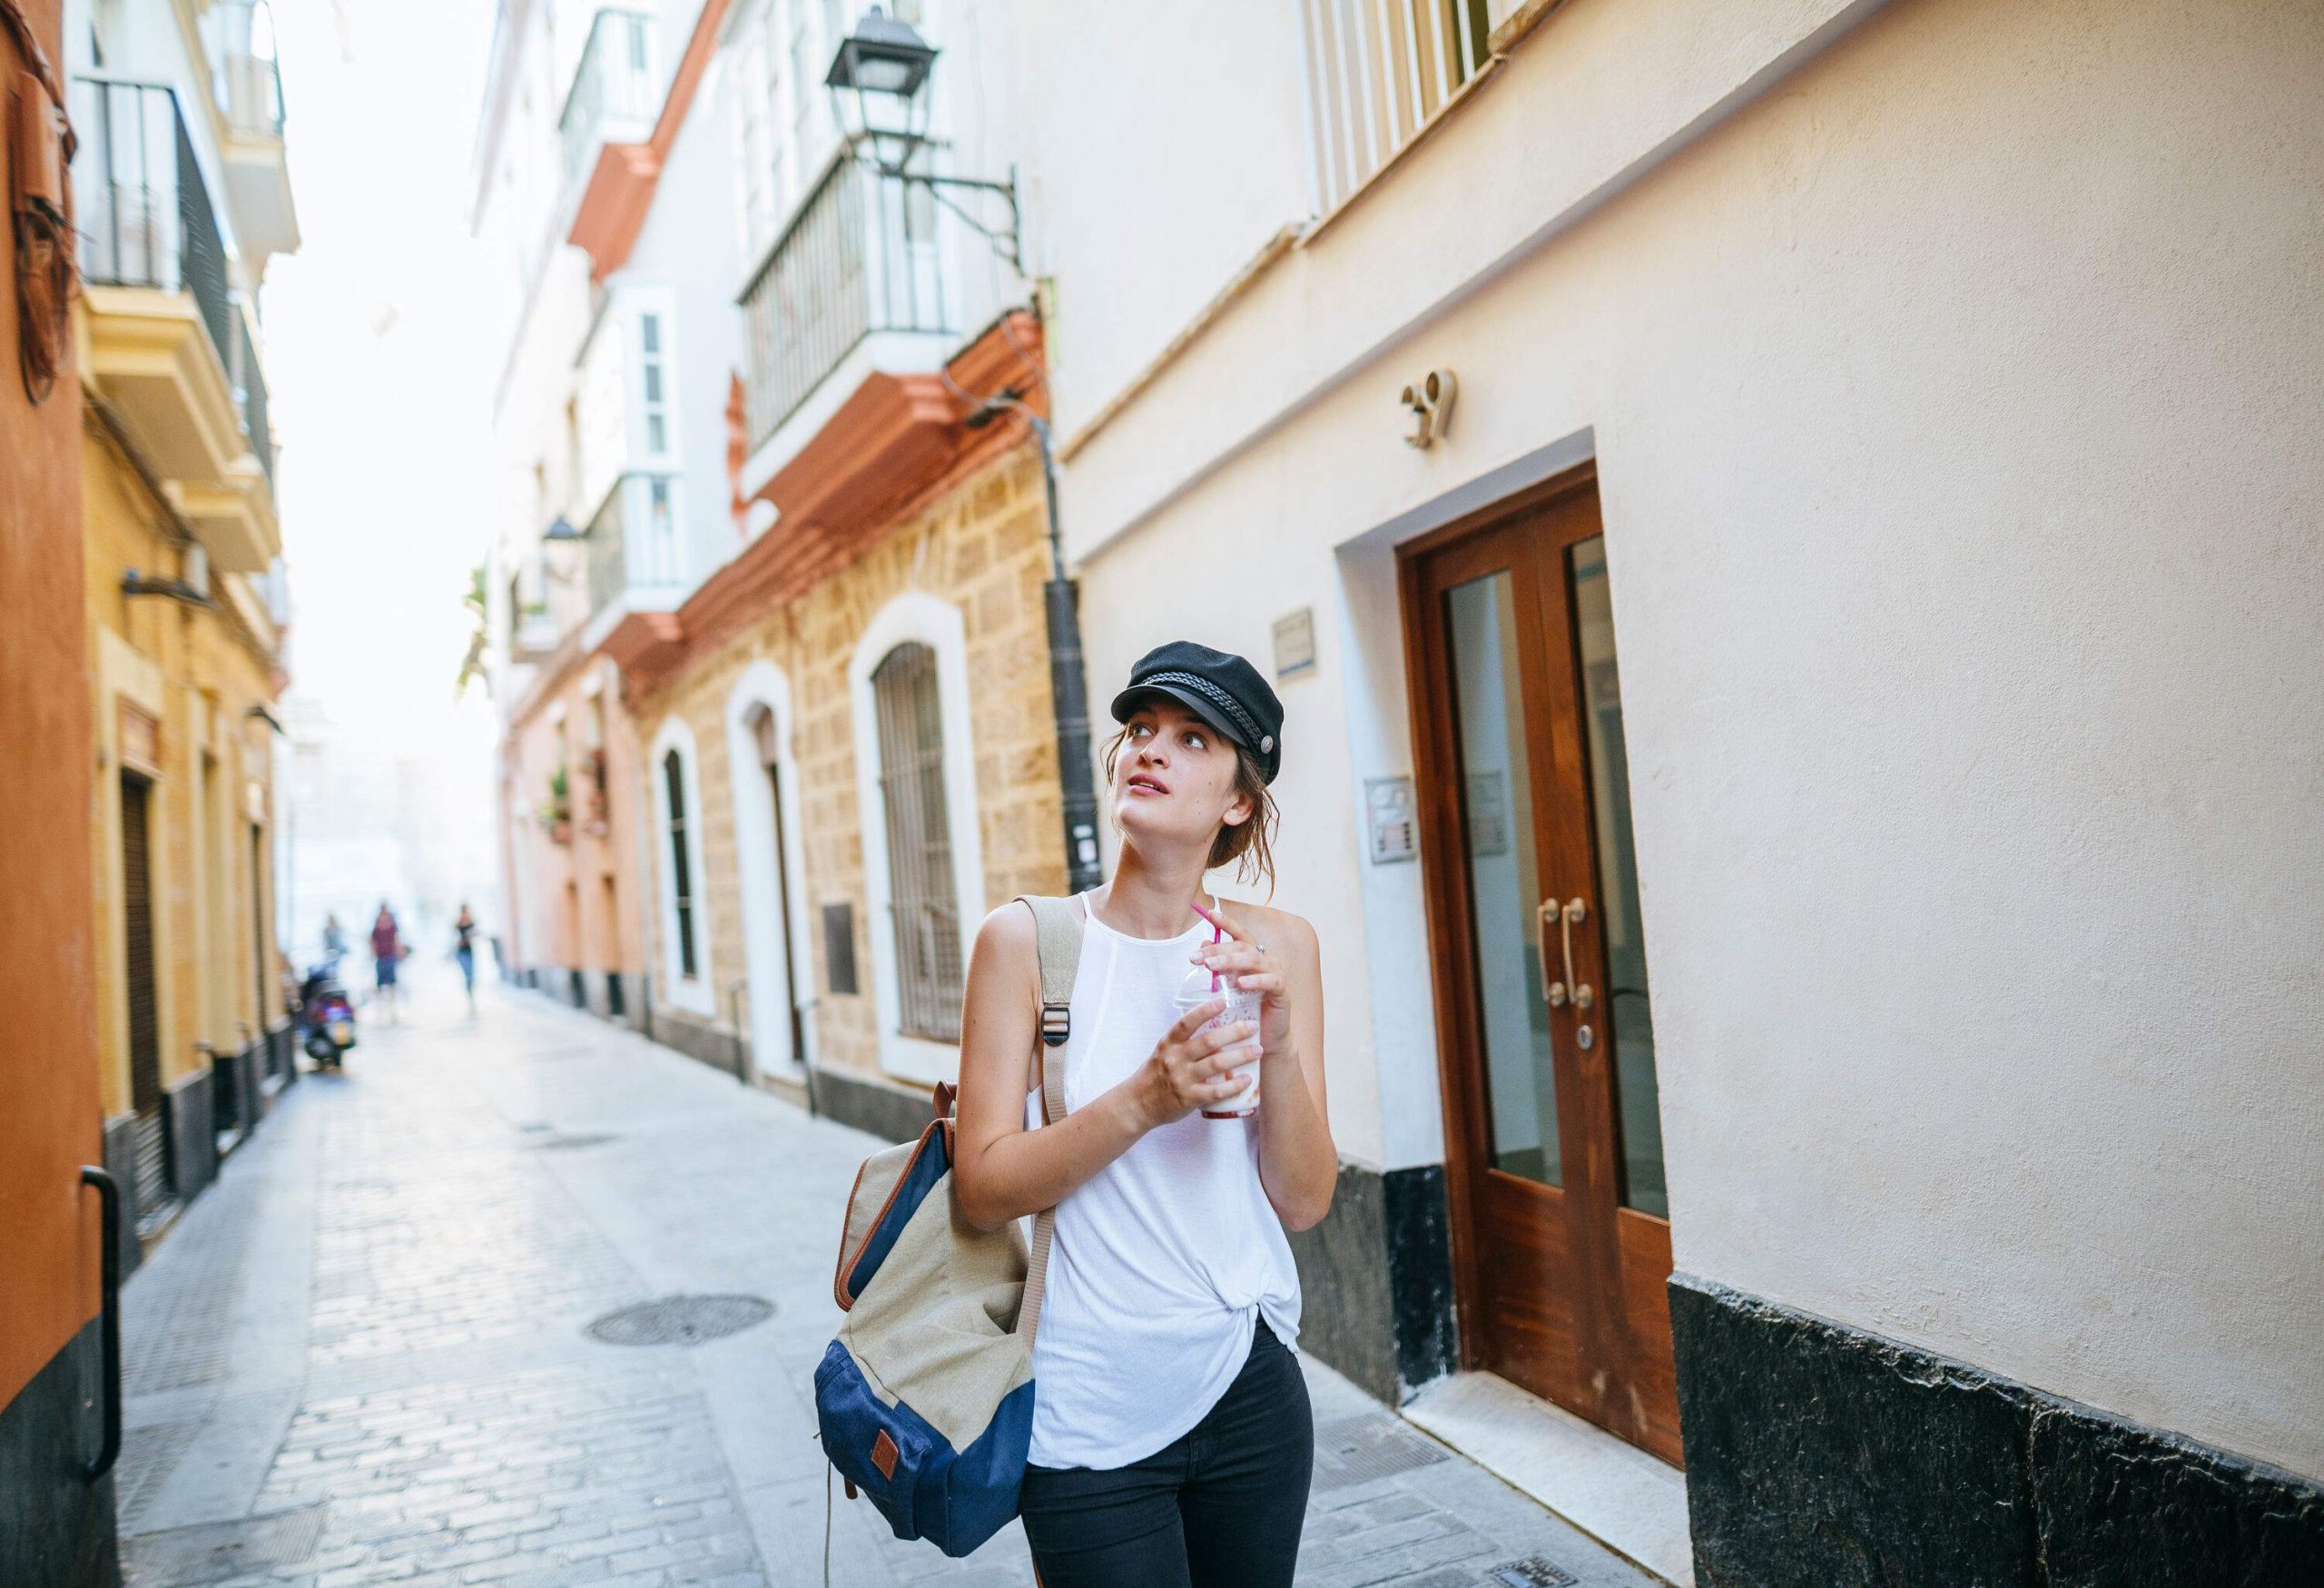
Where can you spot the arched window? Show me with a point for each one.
(923, 907)
(674, 777)
(923, 857)
(681, 869)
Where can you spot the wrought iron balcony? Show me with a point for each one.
(637, 543)
(146, 220)
(615, 95)
(860, 256)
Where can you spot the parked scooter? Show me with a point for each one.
(326, 1016)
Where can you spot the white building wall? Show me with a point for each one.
(1951, 375)
(687, 248)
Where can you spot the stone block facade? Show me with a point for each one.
(978, 545)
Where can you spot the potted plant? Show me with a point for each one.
(557, 815)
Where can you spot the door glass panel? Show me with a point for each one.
(1628, 1011)
(1505, 880)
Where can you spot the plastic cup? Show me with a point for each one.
(1196, 991)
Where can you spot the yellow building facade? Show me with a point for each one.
(191, 1005)
(183, 198)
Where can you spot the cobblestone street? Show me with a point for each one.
(365, 1355)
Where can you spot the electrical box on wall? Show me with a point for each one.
(1390, 819)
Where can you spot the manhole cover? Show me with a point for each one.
(574, 1138)
(214, 1551)
(681, 1320)
(1362, 1448)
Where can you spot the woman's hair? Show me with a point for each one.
(1249, 843)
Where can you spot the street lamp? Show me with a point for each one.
(885, 63)
(875, 80)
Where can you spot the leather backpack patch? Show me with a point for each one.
(884, 1453)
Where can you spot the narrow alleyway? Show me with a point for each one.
(366, 1355)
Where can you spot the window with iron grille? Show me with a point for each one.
(681, 872)
(924, 908)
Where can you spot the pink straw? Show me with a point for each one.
(1216, 928)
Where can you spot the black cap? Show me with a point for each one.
(1221, 689)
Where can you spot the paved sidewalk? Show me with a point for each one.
(362, 1356)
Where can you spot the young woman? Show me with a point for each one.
(1172, 1440)
(464, 951)
(386, 954)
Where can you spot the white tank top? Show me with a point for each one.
(1164, 1260)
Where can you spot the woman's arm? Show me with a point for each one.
(1000, 1169)
(1298, 1165)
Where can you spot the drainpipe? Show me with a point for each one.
(1068, 684)
(1069, 692)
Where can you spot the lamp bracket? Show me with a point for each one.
(1008, 244)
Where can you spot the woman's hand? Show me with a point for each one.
(1255, 970)
(1189, 1067)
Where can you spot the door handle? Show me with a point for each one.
(109, 1208)
(1571, 910)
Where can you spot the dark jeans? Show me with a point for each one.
(1220, 1507)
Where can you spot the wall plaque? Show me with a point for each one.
(1294, 643)
(140, 740)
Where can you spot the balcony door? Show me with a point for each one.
(1546, 1030)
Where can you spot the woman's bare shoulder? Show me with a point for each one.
(1007, 934)
(1264, 923)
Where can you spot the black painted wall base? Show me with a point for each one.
(251, 1063)
(56, 1528)
(891, 1113)
(610, 995)
(1820, 1454)
(193, 1134)
(1376, 1281)
(121, 1162)
(699, 1039)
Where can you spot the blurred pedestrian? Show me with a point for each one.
(464, 951)
(386, 954)
(334, 938)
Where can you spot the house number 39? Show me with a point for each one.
(1429, 400)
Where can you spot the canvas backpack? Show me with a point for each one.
(925, 1399)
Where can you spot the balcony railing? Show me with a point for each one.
(861, 256)
(249, 81)
(146, 218)
(250, 393)
(614, 89)
(637, 543)
(146, 221)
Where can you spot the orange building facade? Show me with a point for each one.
(569, 790)
(56, 1520)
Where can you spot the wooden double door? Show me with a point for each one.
(1546, 1029)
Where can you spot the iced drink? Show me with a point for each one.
(1196, 991)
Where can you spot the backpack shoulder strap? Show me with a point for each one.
(1057, 923)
